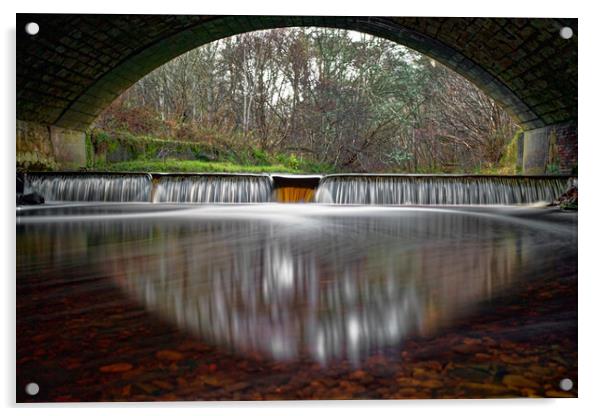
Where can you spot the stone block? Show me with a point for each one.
(69, 147)
(34, 147)
(535, 151)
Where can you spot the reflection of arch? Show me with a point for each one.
(78, 64)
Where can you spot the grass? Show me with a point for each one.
(147, 155)
(171, 165)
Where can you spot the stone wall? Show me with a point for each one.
(34, 147)
(69, 147)
(41, 147)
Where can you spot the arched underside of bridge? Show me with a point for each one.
(78, 64)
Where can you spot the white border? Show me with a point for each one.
(590, 151)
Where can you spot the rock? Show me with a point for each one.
(431, 384)
(541, 372)
(472, 341)
(361, 377)
(163, 384)
(406, 392)
(147, 388)
(517, 381)
(169, 355)
(423, 374)
(486, 388)
(358, 375)
(213, 381)
(33, 198)
(468, 348)
(529, 393)
(351, 388)
(407, 381)
(509, 359)
(126, 391)
(568, 200)
(430, 365)
(116, 368)
(237, 386)
(316, 385)
(479, 356)
(468, 373)
(558, 393)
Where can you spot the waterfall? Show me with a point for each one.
(90, 187)
(337, 189)
(214, 189)
(439, 190)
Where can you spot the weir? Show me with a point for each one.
(439, 189)
(105, 187)
(262, 188)
(218, 188)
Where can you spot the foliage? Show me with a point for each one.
(172, 165)
(321, 97)
(35, 161)
(507, 164)
(125, 151)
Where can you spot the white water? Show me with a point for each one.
(438, 190)
(214, 189)
(337, 189)
(90, 187)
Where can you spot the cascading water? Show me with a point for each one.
(214, 189)
(337, 189)
(438, 190)
(90, 187)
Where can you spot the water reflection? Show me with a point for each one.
(287, 281)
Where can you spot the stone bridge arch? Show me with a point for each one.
(78, 64)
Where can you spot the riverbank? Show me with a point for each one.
(172, 165)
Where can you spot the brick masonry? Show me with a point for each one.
(78, 64)
(567, 147)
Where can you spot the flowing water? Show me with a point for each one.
(90, 187)
(438, 190)
(338, 189)
(214, 189)
(167, 301)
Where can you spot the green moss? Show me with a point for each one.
(89, 150)
(553, 161)
(569, 206)
(507, 163)
(171, 165)
(35, 161)
(147, 153)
